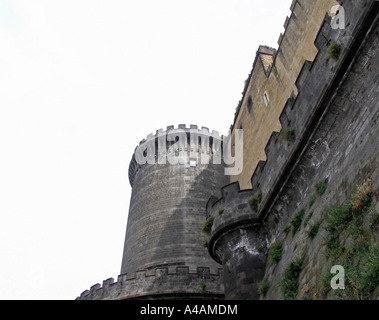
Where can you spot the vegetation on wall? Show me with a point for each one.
(276, 251)
(313, 230)
(255, 201)
(263, 288)
(289, 284)
(350, 241)
(296, 221)
(207, 227)
(320, 188)
(202, 285)
(306, 220)
(349, 244)
(334, 51)
(288, 134)
(311, 201)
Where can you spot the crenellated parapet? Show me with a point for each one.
(272, 81)
(237, 237)
(299, 119)
(235, 240)
(231, 211)
(181, 144)
(289, 111)
(162, 282)
(172, 174)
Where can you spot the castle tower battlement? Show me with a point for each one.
(164, 282)
(308, 117)
(247, 221)
(182, 144)
(171, 181)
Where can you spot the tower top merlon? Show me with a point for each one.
(193, 133)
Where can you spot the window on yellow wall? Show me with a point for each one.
(250, 104)
(266, 98)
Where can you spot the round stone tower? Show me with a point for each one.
(172, 173)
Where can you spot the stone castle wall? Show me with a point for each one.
(170, 282)
(331, 107)
(274, 73)
(167, 206)
(334, 120)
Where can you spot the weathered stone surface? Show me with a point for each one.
(167, 213)
(334, 115)
(335, 118)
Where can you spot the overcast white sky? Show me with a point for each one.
(81, 83)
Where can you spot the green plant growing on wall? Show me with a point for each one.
(255, 201)
(334, 51)
(296, 221)
(207, 227)
(338, 217)
(313, 230)
(289, 284)
(203, 285)
(320, 188)
(362, 197)
(276, 251)
(349, 243)
(288, 197)
(288, 134)
(311, 201)
(308, 217)
(263, 288)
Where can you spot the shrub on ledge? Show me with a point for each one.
(276, 251)
(288, 134)
(296, 221)
(255, 201)
(334, 51)
(208, 225)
